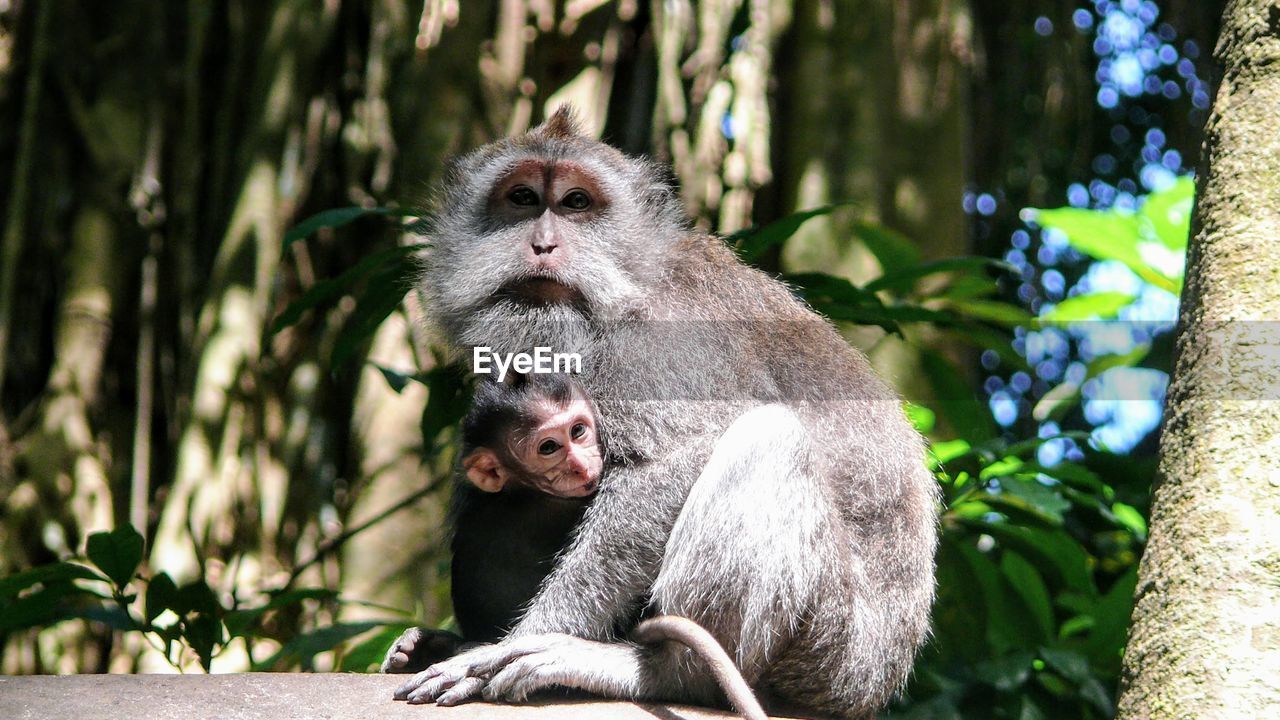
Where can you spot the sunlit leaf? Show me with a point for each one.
(1104, 235)
(1167, 213)
(948, 450)
(920, 417)
(1129, 516)
(1093, 306)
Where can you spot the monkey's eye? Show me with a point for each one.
(546, 447)
(578, 430)
(523, 196)
(576, 200)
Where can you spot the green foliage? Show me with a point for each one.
(104, 588)
(1135, 239)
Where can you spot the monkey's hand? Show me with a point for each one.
(515, 668)
(417, 648)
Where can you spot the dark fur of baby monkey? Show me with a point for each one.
(759, 479)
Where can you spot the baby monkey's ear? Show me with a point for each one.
(485, 470)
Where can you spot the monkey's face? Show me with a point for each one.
(562, 454)
(547, 228)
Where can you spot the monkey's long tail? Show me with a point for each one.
(696, 638)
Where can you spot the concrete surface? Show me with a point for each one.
(322, 696)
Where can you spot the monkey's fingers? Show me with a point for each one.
(462, 691)
(410, 686)
(525, 676)
(432, 688)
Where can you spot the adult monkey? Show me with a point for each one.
(760, 479)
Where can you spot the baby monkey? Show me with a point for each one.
(538, 432)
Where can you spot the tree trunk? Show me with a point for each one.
(1206, 622)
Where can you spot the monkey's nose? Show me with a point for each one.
(543, 247)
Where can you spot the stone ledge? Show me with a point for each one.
(326, 696)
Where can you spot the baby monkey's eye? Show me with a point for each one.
(546, 447)
(576, 200)
(523, 196)
(578, 431)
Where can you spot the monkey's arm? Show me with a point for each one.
(601, 578)
(610, 565)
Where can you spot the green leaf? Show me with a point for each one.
(161, 595)
(337, 217)
(1104, 235)
(893, 250)
(956, 401)
(382, 295)
(753, 242)
(1052, 549)
(42, 608)
(1130, 518)
(1057, 402)
(1167, 214)
(1036, 498)
(1007, 672)
(902, 281)
(397, 380)
(196, 596)
(327, 291)
(1030, 587)
(448, 398)
(367, 655)
(947, 450)
(1111, 623)
(920, 417)
(994, 311)
(59, 572)
(1093, 306)
(300, 651)
(241, 621)
(203, 633)
(839, 299)
(117, 553)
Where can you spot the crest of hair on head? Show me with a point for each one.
(562, 125)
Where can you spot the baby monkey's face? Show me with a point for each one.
(540, 433)
(560, 455)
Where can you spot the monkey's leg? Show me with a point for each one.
(745, 556)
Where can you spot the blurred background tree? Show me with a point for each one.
(268, 409)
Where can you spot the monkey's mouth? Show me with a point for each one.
(538, 291)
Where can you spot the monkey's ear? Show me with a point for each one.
(563, 124)
(484, 470)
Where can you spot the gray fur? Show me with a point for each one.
(802, 535)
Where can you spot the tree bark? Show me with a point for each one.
(1206, 621)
